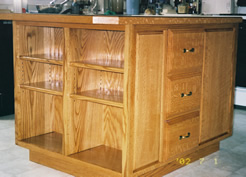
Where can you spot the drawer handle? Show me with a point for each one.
(191, 50)
(184, 137)
(183, 94)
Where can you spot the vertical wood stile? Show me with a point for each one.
(17, 82)
(163, 112)
(128, 100)
(233, 75)
(68, 88)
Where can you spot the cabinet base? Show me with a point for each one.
(188, 158)
(81, 169)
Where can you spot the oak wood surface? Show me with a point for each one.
(43, 58)
(179, 41)
(128, 100)
(50, 141)
(117, 66)
(40, 113)
(70, 165)
(41, 41)
(217, 83)
(174, 165)
(183, 95)
(149, 56)
(188, 130)
(101, 96)
(114, 92)
(103, 156)
(44, 87)
(110, 82)
(100, 47)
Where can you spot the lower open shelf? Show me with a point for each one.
(103, 156)
(50, 141)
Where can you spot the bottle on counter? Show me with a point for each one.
(132, 7)
(183, 7)
(75, 7)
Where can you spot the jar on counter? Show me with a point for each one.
(183, 7)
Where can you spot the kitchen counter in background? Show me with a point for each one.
(102, 19)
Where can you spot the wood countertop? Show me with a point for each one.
(121, 20)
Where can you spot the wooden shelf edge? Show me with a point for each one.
(42, 90)
(97, 67)
(96, 100)
(41, 60)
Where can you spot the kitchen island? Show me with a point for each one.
(122, 96)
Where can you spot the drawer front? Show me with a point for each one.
(185, 51)
(183, 95)
(181, 137)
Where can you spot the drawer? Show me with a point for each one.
(185, 51)
(183, 95)
(181, 137)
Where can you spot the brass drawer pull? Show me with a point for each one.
(191, 50)
(184, 137)
(183, 94)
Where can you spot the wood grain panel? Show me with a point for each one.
(42, 40)
(128, 100)
(94, 125)
(50, 141)
(44, 87)
(41, 113)
(113, 129)
(116, 66)
(217, 84)
(165, 168)
(178, 40)
(34, 72)
(100, 80)
(43, 58)
(102, 47)
(177, 104)
(147, 99)
(87, 126)
(103, 156)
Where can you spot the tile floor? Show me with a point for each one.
(230, 161)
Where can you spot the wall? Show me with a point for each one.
(6, 4)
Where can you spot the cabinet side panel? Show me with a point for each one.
(149, 56)
(217, 83)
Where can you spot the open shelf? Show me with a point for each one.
(43, 58)
(50, 141)
(102, 156)
(112, 66)
(101, 96)
(44, 87)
